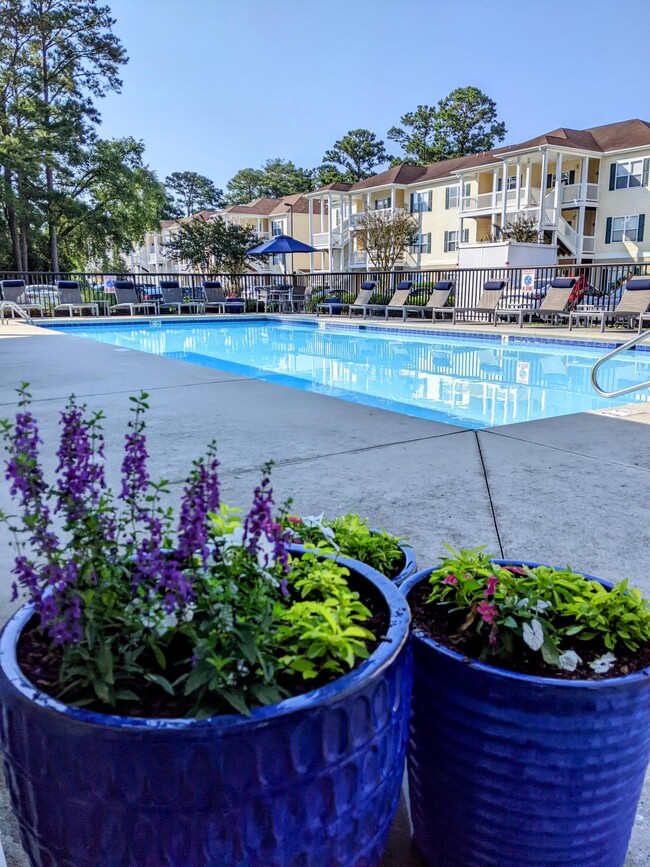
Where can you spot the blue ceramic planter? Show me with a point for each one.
(507, 770)
(312, 781)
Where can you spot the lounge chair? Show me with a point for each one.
(14, 291)
(490, 297)
(365, 294)
(554, 303)
(172, 298)
(396, 303)
(435, 304)
(70, 299)
(633, 305)
(299, 299)
(127, 297)
(214, 298)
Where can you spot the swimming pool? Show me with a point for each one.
(465, 380)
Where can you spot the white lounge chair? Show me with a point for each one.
(365, 294)
(436, 303)
(554, 304)
(70, 299)
(633, 306)
(396, 303)
(127, 298)
(490, 297)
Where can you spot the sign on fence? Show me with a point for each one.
(528, 280)
(109, 284)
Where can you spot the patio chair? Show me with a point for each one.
(14, 291)
(127, 298)
(436, 303)
(268, 299)
(554, 304)
(214, 298)
(490, 297)
(172, 298)
(396, 303)
(70, 299)
(365, 294)
(633, 305)
(298, 299)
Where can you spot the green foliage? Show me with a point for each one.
(352, 158)
(385, 236)
(525, 229)
(276, 178)
(351, 536)
(464, 122)
(190, 192)
(322, 631)
(510, 612)
(214, 246)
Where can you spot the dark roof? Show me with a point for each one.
(339, 187)
(402, 174)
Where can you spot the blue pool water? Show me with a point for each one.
(473, 382)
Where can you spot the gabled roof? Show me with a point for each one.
(274, 207)
(402, 174)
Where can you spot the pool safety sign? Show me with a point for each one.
(523, 372)
(528, 280)
(109, 284)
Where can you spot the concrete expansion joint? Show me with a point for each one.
(489, 492)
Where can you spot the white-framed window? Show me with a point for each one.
(277, 228)
(277, 258)
(420, 202)
(383, 204)
(629, 174)
(625, 228)
(567, 178)
(421, 243)
(451, 240)
(452, 197)
(511, 183)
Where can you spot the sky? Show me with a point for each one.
(214, 86)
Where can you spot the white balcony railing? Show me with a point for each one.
(579, 193)
(358, 259)
(494, 201)
(324, 239)
(354, 218)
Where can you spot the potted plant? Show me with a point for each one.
(193, 694)
(530, 730)
(352, 536)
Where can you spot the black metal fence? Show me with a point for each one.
(600, 285)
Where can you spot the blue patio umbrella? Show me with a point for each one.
(281, 244)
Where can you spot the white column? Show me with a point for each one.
(311, 233)
(584, 178)
(558, 184)
(518, 183)
(542, 217)
(529, 180)
(495, 187)
(329, 224)
(581, 231)
(504, 185)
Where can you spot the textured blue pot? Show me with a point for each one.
(312, 781)
(507, 770)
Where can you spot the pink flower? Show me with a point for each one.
(450, 579)
(293, 519)
(516, 570)
(491, 586)
(492, 637)
(488, 612)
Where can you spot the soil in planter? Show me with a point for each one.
(40, 662)
(437, 623)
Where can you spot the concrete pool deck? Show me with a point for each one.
(572, 489)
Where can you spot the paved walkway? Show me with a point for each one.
(571, 489)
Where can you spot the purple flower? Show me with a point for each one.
(200, 497)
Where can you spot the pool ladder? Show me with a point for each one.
(15, 308)
(608, 357)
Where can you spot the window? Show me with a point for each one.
(452, 196)
(277, 258)
(382, 204)
(421, 243)
(567, 178)
(629, 174)
(624, 229)
(510, 185)
(276, 228)
(420, 202)
(451, 240)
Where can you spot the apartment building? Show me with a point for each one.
(587, 191)
(268, 217)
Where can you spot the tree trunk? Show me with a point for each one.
(54, 244)
(12, 222)
(23, 225)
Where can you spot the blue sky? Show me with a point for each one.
(214, 86)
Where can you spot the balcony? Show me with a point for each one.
(324, 239)
(488, 203)
(354, 218)
(358, 259)
(574, 193)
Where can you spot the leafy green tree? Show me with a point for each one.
(213, 246)
(354, 157)
(283, 178)
(191, 192)
(464, 122)
(246, 186)
(418, 140)
(385, 235)
(114, 199)
(74, 59)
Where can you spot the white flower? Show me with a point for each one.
(569, 660)
(235, 539)
(169, 621)
(522, 602)
(533, 634)
(188, 613)
(541, 606)
(603, 664)
(317, 521)
(265, 551)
